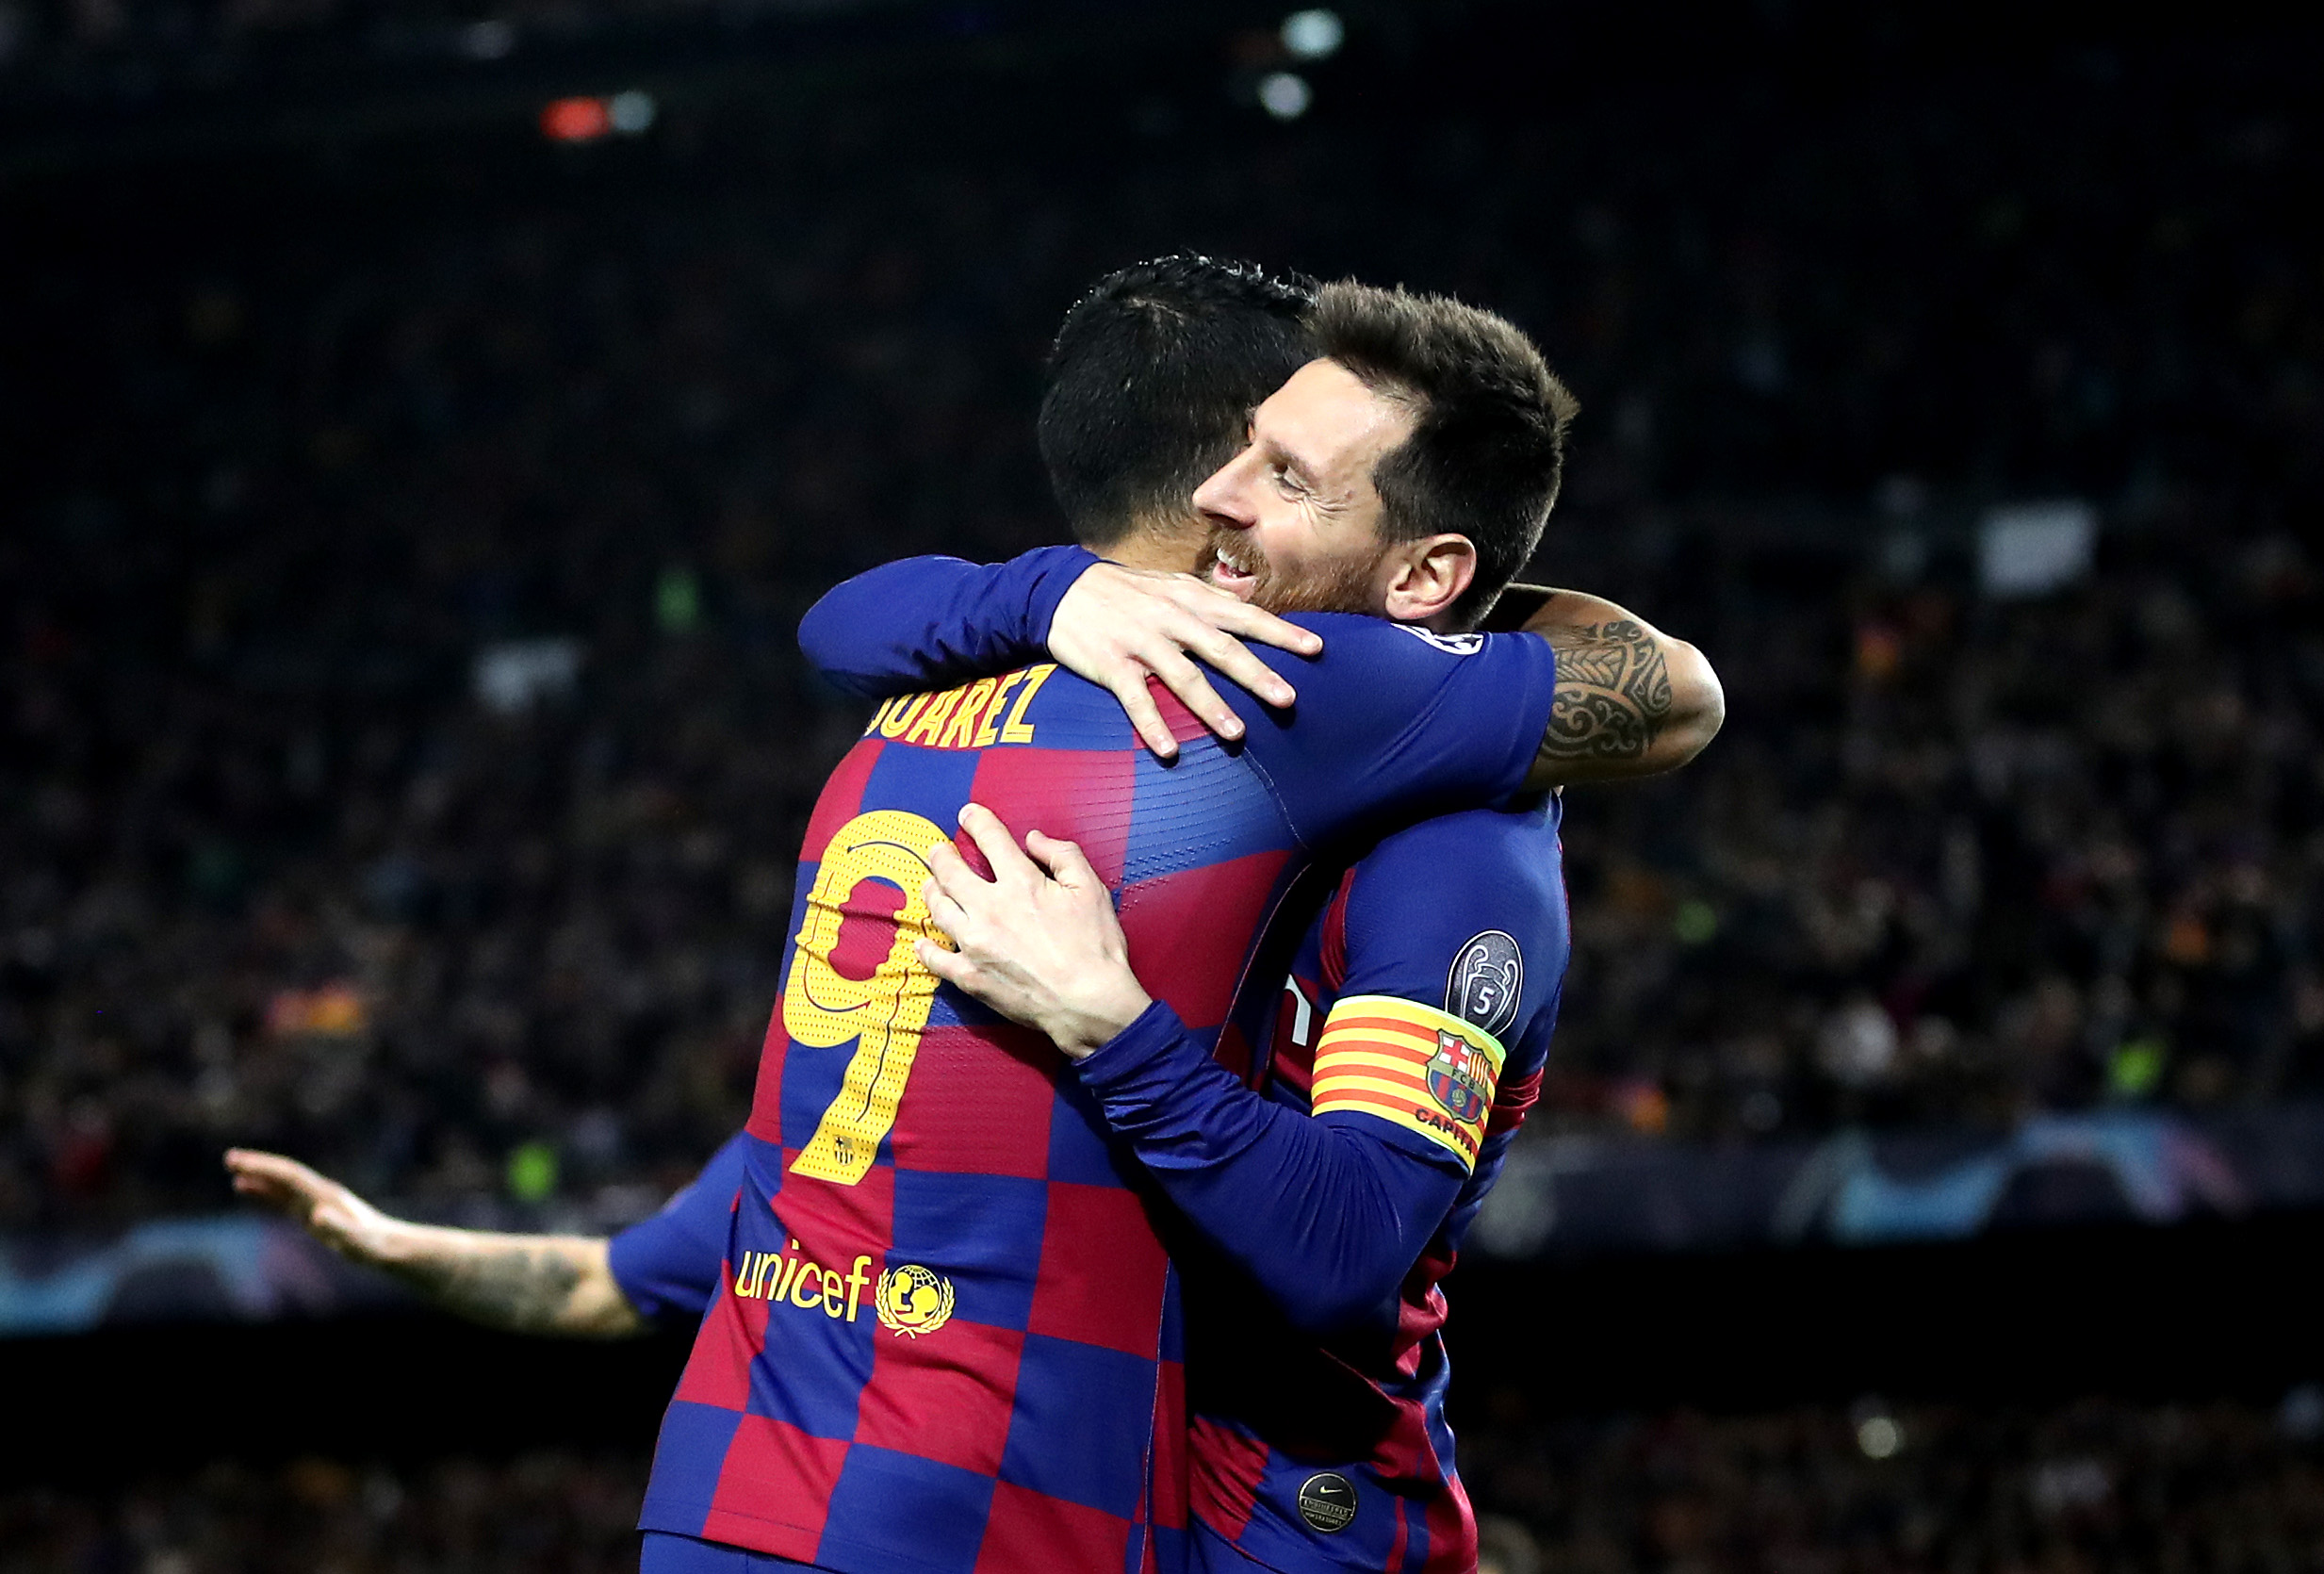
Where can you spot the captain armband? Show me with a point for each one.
(1411, 1065)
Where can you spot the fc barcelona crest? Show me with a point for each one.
(1456, 1080)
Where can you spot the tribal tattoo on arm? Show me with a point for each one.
(1631, 700)
(1612, 700)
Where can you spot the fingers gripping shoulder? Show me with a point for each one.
(1411, 1065)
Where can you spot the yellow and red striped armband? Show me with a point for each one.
(1411, 1065)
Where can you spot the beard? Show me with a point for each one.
(1342, 586)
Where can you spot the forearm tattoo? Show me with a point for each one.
(1613, 693)
(524, 1288)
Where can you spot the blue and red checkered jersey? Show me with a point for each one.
(944, 1337)
(667, 1266)
(1419, 1010)
(1323, 1210)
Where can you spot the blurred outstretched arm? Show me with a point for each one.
(526, 1284)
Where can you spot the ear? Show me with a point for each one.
(1426, 577)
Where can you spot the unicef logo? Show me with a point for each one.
(911, 1299)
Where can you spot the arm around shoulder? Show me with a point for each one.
(1632, 701)
(925, 622)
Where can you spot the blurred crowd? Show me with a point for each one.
(542, 1514)
(2097, 1485)
(2222, 1488)
(404, 750)
(1960, 861)
(60, 39)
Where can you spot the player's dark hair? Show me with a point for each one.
(1487, 447)
(1151, 381)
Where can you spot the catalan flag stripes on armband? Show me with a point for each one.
(1413, 1065)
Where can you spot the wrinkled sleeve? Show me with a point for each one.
(1453, 939)
(1328, 1218)
(930, 622)
(1456, 941)
(1394, 722)
(668, 1266)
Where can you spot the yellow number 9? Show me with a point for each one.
(884, 1013)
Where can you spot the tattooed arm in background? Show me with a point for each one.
(526, 1284)
(1630, 699)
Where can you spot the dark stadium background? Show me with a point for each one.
(327, 378)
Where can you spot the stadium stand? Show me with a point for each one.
(405, 746)
(403, 749)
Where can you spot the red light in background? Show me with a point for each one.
(577, 120)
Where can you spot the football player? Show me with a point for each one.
(1328, 1183)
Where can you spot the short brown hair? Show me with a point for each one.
(1487, 449)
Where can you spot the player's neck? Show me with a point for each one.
(1166, 553)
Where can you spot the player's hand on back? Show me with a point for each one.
(329, 1211)
(1038, 942)
(1118, 626)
